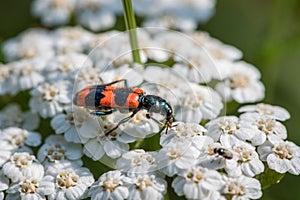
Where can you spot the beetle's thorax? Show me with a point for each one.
(156, 104)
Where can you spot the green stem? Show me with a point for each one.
(131, 27)
(138, 144)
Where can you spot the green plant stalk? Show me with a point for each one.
(131, 28)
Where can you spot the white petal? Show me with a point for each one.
(120, 193)
(33, 139)
(191, 191)
(188, 115)
(277, 164)
(46, 185)
(113, 149)
(295, 166)
(94, 150)
(178, 184)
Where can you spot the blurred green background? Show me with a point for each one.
(268, 33)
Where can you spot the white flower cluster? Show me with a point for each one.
(116, 185)
(57, 171)
(195, 73)
(102, 14)
(48, 69)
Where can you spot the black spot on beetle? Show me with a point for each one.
(121, 95)
(95, 95)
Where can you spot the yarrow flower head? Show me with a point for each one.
(64, 123)
(12, 115)
(265, 127)
(200, 102)
(30, 44)
(145, 186)
(228, 128)
(240, 82)
(165, 83)
(64, 67)
(177, 156)
(70, 183)
(53, 12)
(80, 126)
(241, 187)
(87, 76)
(198, 183)
(18, 165)
(139, 126)
(50, 98)
(98, 143)
(110, 185)
(216, 49)
(183, 16)
(27, 73)
(23, 75)
(186, 132)
(247, 163)
(19, 138)
(32, 185)
(132, 74)
(137, 161)
(275, 112)
(104, 11)
(56, 150)
(71, 40)
(211, 158)
(281, 156)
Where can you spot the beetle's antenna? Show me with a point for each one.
(150, 117)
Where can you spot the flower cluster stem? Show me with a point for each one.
(131, 28)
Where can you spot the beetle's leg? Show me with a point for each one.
(101, 112)
(121, 80)
(126, 119)
(150, 117)
(174, 125)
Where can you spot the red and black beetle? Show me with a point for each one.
(106, 99)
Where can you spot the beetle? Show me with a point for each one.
(108, 98)
(224, 153)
